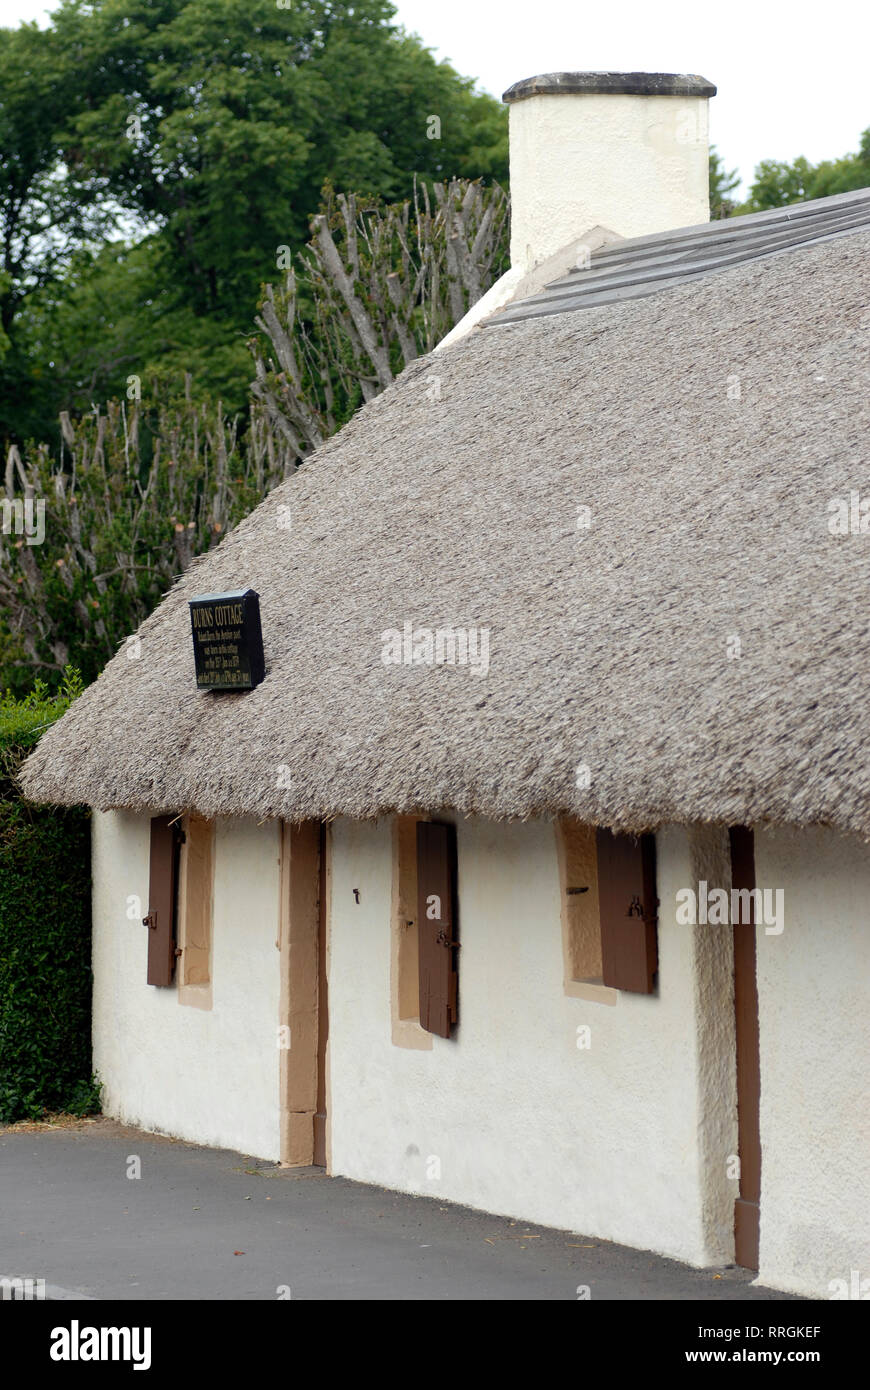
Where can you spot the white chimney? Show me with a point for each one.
(596, 157)
(627, 151)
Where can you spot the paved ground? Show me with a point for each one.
(209, 1224)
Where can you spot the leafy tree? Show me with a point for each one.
(113, 318)
(843, 175)
(203, 130)
(219, 123)
(46, 212)
(722, 185)
(5, 284)
(777, 183)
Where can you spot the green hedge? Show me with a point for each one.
(45, 930)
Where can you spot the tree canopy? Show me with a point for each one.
(203, 131)
(778, 183)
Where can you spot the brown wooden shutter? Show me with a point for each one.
(437, 926)
(165, 842)
(628, 908)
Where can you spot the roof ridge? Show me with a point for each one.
(644, 265)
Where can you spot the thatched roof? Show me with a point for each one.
(610, 647)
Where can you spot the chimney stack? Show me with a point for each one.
(626, 152)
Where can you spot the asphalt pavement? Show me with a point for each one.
(208, 1224)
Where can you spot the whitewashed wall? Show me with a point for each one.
(604, 1140)
(627, 1140)
(814, 1025)
(209, 1076)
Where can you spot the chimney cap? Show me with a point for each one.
(637, 84)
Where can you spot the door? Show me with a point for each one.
(322, 1008)
(747, 1205)
(303, 1029)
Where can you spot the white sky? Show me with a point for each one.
(792, 76)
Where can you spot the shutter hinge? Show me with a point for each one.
(150, 921)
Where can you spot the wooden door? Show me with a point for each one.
(303, 1008)
(322, 1010)
(747, 1205)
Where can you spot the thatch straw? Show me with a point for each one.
(609, 646)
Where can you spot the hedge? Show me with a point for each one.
(45, 930)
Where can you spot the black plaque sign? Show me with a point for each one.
(227, 640)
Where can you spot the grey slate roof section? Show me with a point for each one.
(636, 84)
(645, 265)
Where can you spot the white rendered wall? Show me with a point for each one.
(814, 1007)
(604, 1141)
(208, 1076)
(633, 164)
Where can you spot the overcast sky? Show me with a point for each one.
(792, 78)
